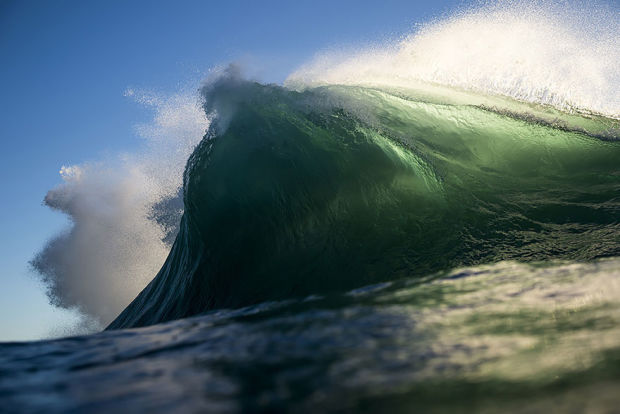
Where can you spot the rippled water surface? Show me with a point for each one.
(508, 336)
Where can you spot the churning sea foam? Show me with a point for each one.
(563, 54)
(123, 213)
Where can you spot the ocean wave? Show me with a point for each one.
(300, 193)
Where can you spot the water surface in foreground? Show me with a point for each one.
(507, 336)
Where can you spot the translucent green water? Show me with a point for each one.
(292, 194)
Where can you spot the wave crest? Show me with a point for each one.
(544, 53)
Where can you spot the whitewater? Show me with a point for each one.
(427, 224)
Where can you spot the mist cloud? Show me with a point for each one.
(123, 213)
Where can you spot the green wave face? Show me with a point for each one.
(299, 193)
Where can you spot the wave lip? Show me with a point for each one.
(535, 52)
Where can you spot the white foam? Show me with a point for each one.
(561, 54)
(116, 244)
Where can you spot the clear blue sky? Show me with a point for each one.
(64, 66)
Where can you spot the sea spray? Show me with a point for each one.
(124, 213)
(537, 52)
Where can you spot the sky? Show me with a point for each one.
(64, 70)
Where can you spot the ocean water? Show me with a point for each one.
(492, 338)
(429, 226)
